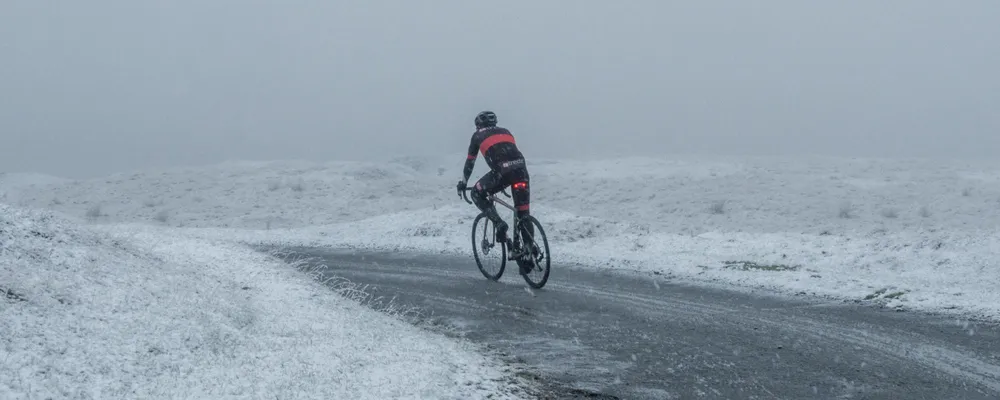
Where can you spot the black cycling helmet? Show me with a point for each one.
(486, 119)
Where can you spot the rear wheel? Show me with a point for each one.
(491, 257)
(538, 261)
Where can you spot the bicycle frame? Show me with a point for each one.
(496, 199)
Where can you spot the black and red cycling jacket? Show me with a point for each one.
(497, 146)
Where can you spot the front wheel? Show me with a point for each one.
(538, 260)
(491, 257)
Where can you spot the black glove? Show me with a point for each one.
(461, 186)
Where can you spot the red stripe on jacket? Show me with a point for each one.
(492, 140)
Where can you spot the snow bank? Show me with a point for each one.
(919, 234)
(135, 313)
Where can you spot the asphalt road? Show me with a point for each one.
(600, 334)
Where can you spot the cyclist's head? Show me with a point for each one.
(486, 119)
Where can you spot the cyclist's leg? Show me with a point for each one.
(487, 185)
(521, 192)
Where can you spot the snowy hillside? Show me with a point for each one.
(16, 182)
(115, 313)
(919, 234)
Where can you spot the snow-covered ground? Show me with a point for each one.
(916, 234)
(147, 312)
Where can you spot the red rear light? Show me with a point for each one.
(520, 185)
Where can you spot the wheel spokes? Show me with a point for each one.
(534, 253)
(491, 264)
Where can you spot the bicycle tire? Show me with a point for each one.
(476, 248)
(539, 232)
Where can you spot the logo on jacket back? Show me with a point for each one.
(514, 163)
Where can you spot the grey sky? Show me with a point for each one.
(89, 88)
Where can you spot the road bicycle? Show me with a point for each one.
(523, 247)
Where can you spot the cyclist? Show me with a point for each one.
(507, 168)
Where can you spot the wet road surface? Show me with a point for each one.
(599, 334)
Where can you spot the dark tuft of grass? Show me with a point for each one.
(12, 295)
(846, 210)
(94, 212)
(750, 265)
(881, 293)
(718, 207)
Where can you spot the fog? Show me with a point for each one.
(89, 88)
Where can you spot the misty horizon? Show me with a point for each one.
(96, 88)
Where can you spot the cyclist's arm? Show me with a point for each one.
(470, 159)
